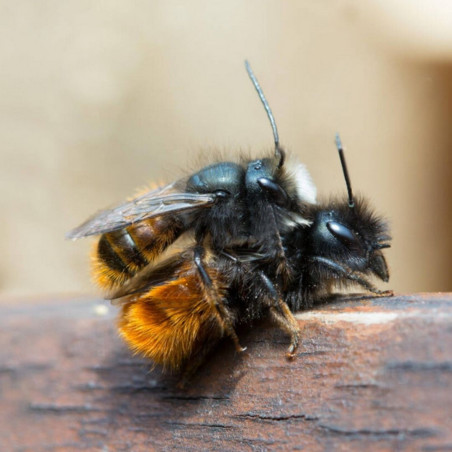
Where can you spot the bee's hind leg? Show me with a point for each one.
(282, 315)
(212, 295)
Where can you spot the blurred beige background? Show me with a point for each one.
(98, 98)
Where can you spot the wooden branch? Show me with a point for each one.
(371, 374)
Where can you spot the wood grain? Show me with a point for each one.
(371, 374)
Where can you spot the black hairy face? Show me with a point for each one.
(351, 237)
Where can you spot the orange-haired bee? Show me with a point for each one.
(258, 244)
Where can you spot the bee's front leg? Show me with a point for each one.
(212, 294)
(281, 314)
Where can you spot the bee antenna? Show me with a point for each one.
(351, 202)
(278, 151)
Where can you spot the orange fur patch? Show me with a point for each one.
(169, 322)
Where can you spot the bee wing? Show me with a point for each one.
(152, 204)
(177, 265)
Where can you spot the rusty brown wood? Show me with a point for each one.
(372, 374)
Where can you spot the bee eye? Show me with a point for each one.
(343, 234)
(222, 193)
(274, 190)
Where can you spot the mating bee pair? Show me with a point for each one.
(230, 244)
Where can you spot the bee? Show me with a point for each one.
(254, 244)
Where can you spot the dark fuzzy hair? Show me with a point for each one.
(361, 217)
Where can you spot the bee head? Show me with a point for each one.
(344, 243)
(352, 237)
(260, 177)
(283, 183)
(260, 174)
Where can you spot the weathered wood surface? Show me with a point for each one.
(372, 374)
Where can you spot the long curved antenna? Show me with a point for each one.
(351, 202)
(278, 151)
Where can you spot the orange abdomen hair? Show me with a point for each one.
(171, 321)
(119, 255)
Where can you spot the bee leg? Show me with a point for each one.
(282, 268)
(274, 242)
(353, 276)
(283, 316)
(284, 321)
(211, 295)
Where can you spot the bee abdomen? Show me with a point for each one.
(119, 255)
(116, 259)
(107, 253)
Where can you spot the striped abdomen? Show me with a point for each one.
(119, 255)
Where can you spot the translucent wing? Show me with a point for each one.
(177, 265)
(152, 204)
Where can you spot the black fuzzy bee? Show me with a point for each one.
(254, 241)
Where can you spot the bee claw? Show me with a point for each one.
(240, 349)
(292, 351)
